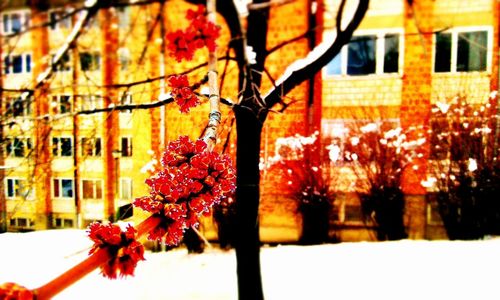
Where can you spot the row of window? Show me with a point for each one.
(17, 21)
(89, 61)
(64, 188)
(60, 104)
(459, 50)
(63, 146)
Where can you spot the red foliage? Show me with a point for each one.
(192, 181)
(200, 33)
(14, 291)
(122, 245)
(182, 92)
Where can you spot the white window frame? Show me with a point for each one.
(56, 104)
(25, 15)
(454, 47)
(9, 70)
(61, 23)
(11, 141)
(59, 183)
(126, 99)
(130, 144)
(29, 223)
(89, 102)
(28, 196)
(95, 65)
(129, 190)
(66, 66)
(379, 52)
(27, 109)
(93, 142)
(59, 150)
(94, 186)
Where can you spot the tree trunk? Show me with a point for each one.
(248, 128)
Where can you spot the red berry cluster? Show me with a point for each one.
(182, 92)
(192, 181)
(200, 33)
(14, 291)
(123, 247)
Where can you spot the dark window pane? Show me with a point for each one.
(55, 146)
(85, 61)
(391, 55)
(98, 189)
(64, 104)
(18, 147)
(471, 49)
(334, 67)
(53, 20)
(28, 63)
(6, 27)
(57, 193)
(17, 64)
(17, 108)
(126, 147)
(361, 55)
(66, 147)
(88, 189)
(67, 188)
(6, 64)
(10, 188)
(442, 61)
(98, 147)
(15, 22)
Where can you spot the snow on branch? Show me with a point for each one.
(301, 69)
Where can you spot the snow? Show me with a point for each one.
(388, 270)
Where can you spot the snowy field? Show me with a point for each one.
(391, 270)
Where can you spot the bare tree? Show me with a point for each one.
(250, 111)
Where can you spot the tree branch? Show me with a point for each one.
(302, 69)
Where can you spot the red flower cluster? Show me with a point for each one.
(125, 250)
(200, 33)
(14, 291)
(182, 92)
(192, 181)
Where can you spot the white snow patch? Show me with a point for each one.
(365, 270)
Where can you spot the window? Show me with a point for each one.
(18, 188)
(361, 55)
(17, 107)
(124, 57)
(368, 54)
(16, 64)
(90, 61)
(14, 22)
(64, 63)
(90, 102)
(126, 143)
(123, 16)
(91, 189)
(461, 51)
(353, 213)
(126, 99)
(63, 223)
(62, 146)
(22, 222)
(91, 146)
(62, 188)
(18, 146)
(61, 104)
(59, 19)
(126, 189)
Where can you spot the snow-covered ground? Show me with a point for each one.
(390, 270)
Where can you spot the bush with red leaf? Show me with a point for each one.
(124, 249)
(192, 181)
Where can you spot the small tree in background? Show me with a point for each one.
(308, 182)
(465, 169)
(378, 156)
